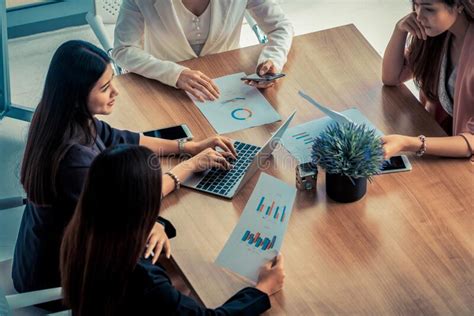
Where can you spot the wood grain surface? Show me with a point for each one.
(405, 248)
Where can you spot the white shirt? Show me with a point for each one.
(195, 28)
(149, 38)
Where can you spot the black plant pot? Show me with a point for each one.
(341, 189)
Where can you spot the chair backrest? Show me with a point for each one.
(63, 313)
(4, 307)
(262, 38)
(16, 301)
(12, 202)
(9, 303)
(108, 10)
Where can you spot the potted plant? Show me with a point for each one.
(350, 154)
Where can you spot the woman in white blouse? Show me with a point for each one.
(152, 35)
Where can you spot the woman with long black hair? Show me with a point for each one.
(63, 140)
(112, 220)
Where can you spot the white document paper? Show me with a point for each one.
(239, 106)
(298, 140)
(258, 236)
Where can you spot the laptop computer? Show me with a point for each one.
(227, 183)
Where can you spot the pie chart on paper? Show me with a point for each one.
(238, 107)
(241, 114)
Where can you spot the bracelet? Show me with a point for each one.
(177, 183)
(468, 144)
(420, 152)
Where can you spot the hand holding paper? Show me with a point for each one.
(239, 106)
(272, 275)
(258, 236)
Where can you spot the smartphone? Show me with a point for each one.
(396, 164)
(264, 78)
(173, 132)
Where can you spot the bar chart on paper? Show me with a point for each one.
(259, 234)
(263, 243)
(304, 137)
(271, 210)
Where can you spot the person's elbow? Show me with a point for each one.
(113, 52)
(119, 52)
(390, 76)
(390, 81)
(288, 26)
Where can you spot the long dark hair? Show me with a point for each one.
(61, 116)
(109, 229)
(425, 56)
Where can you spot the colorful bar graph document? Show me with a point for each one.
(298, 140)
(258, 236)
(239, 106)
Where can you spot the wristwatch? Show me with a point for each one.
(181, 143)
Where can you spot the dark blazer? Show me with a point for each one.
(150, 292)
(36, 258)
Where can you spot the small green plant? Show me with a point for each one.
(348, 149)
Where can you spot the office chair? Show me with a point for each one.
(63, 313)
(103, 12)
(106, 12)
(5, 265)
(12, 202)
(261, 37)
(9, 303)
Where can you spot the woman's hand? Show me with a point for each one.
(198, 84)
(158, 241)
(394, 144)
(410, 24)
(205, 156)
(223, 142)
(271, 277)
(267, 67)
(210, 158)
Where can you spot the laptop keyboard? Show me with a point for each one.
(222, 181)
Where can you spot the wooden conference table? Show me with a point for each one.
(405, 248)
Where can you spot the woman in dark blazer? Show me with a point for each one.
(112, 220)
(63, 139)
